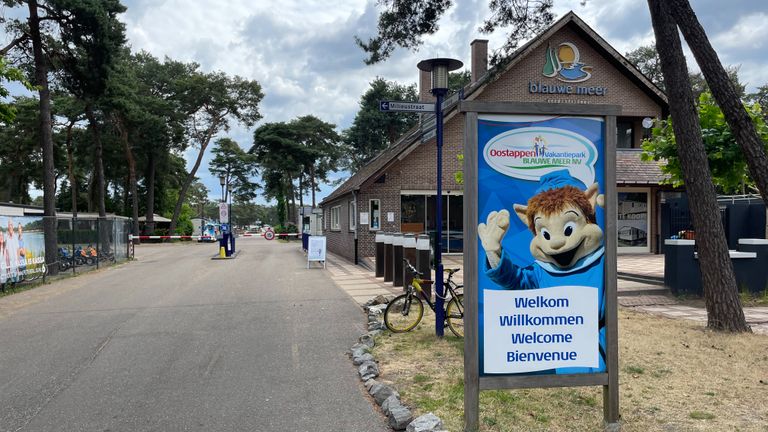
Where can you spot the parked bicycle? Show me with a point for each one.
(405, 311)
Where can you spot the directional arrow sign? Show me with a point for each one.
(394, 106)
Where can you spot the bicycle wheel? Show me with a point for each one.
(403, 313)
(454, 314)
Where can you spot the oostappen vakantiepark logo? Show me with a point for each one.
(564, 63)
(529, 153)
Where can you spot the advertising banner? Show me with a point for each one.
(541, 253)
(22, 248)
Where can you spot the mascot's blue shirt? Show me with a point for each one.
(588, 271)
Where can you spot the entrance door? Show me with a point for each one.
(633, 220)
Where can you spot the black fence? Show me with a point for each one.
(89, 243)
(743, 216)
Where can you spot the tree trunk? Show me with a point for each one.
(46, 137)
(149, 225)
(301, 190)
(191, 177)
(71, 169)
(718, 280)
(131, 174)
(724, 93)
(98, 162)
(292, 205)
(313, 183)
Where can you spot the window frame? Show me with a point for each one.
(335, 225)
(371, 217)
(352, 215)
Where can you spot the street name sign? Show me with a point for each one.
(395, 106)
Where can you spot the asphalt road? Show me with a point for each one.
(178, 342)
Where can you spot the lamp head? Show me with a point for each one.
(222, 180)
(439, 68)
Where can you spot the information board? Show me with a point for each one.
(540, 236)
(316, 250)
(540, 250)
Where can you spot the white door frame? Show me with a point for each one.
(650, 213)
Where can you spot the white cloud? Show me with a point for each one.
(304, 56)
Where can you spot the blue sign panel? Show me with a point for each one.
(225, 228)
(540, 244)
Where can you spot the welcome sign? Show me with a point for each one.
(541, 299)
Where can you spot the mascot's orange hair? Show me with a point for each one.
(555, 200)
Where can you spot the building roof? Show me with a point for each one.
(411, 139)
(155, 217)
(376, 165)
(631, 169)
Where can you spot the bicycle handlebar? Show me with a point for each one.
(411, 267)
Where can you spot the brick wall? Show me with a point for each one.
(341, 241)
(417, 171)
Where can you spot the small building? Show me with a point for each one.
(161, 223)
(11, 209)
(396, 191)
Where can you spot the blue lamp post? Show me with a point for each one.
(439, 68)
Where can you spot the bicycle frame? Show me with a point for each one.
(416, 286)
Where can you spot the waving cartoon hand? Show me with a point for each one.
(491, 233)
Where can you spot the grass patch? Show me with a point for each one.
(701, 415)
(419, 378)
(751, 300)
(632, 369)
(672, 390)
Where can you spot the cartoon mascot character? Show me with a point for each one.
(567, 243)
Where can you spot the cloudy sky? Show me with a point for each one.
(303, 53)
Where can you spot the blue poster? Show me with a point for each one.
(541, 244)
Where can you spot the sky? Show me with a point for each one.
(303, 53)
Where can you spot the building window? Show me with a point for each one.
(375, 210)
(418, 215)
(335, 225)
(352, 215)
(624, 131)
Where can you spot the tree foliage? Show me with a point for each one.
(726, 160)
(372, 130)
(9, 74)
(404, 23)
(237, 167)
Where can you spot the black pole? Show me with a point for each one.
(74, 259)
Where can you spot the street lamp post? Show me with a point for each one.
(439, 68)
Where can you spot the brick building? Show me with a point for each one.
(396, 191)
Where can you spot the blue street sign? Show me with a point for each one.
(225, 228)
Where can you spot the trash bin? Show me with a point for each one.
(388, 250)
(409, 253)
(379, 254)
(397, 259)
(422, 262)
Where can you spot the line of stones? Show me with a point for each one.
(399, 416)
